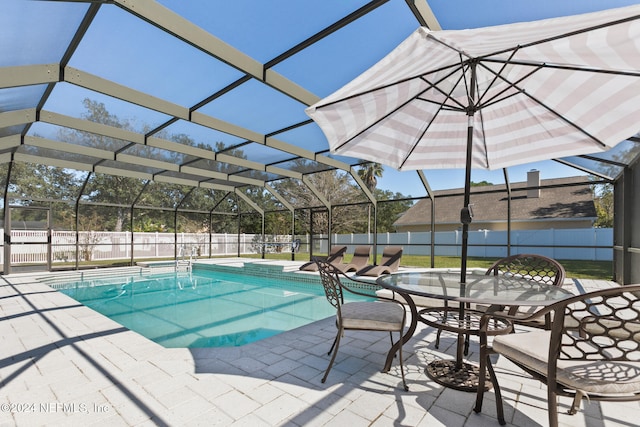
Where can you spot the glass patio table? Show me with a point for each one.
(487, 290)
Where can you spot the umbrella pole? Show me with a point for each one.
(460, 375)
(465, 213)
(465, 219)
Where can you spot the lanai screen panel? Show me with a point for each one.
(205, 94)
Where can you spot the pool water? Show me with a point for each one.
(204, 309)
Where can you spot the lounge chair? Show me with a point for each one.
(361, 255)
(388, 264)
(336, 256)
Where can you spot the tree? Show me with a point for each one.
(335, 186)
(39, 185)
(89, 238)
(480, 184)
(102, 187)
(603, 200)
(370, 174)
(122, 191)
(391, 206)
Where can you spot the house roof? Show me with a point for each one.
(561, 198)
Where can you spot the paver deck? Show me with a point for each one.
(64, 364)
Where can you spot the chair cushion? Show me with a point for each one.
(383, 316)
(531, 349)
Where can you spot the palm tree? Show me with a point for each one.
(370, 174)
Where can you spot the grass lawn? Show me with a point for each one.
(579, 269)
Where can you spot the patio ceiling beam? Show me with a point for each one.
(91, 127)
(423, 13)
(294, 150)
(107, 170)
(177, 147)
(9, 142)
(432, 223)
(167, 179)
(249, 164)
(213, 186)
(146, 162)
(222, 126)
(354, 174)
(6, 158)
(605, 161)
(585, 169)
(280, 198)
(283, 172)
(425, 184)
(250, 202)
(248, 181)
(187, 31)
(17, 117)
(331, 162)
(98, 84)
(316, 192)
(175, 180)
(211, 174)
(60, 163)
(27, 75)
(65, 147)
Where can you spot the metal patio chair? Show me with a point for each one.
(388, 315)
(592, 350)
(537, 268)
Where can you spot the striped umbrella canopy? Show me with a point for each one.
(493, 97)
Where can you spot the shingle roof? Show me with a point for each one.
(562, 198)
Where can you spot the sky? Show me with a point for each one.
(144, 58)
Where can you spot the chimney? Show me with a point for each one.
(533, 180)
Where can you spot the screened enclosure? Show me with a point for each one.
(145, 130)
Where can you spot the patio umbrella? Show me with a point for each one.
(493, 97)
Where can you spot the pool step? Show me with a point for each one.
(183, 265)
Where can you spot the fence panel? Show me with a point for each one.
(29, 247)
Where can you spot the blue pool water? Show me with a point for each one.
(203, 309)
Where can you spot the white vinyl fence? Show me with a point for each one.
(30, 246)
(595, 244)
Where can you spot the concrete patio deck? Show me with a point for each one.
(64, 364)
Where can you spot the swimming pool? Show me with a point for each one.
(203, 308)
